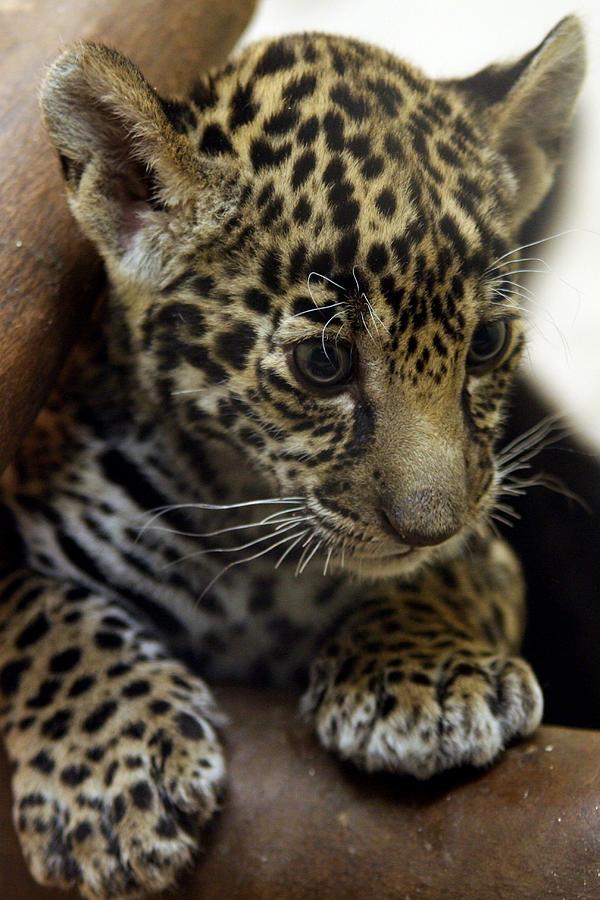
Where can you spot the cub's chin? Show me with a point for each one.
(374, 567)
(403, 563)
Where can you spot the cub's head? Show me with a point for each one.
(314, 257)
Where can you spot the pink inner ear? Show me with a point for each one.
(133, 190)
(131, 221)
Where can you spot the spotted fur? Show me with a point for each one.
(314, 189)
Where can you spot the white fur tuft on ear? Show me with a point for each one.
(129, 171)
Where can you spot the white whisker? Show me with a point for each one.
(516, 457)
(294, 519)
(188, 391)
(270, 520)
(310, 556)
(525, 272)
(289, 549)
(159, 511)
(543, 426)
(512, 289)
(334, 316)
(337, 334)
(366, 327)
(507, 510)
(374, 314)
(240, 562)
(305, 312)
(500, 518)
(207, 550)
(508, 303)
(511, 262)
(505, 284)
(305, 547)
(541, 241)
(325, 278)
(520, 486)
(327, 560)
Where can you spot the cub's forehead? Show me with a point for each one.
(352, 148)
(357, 169)
(340, 95)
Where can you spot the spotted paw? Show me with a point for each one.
(113, 799)
(458, 713)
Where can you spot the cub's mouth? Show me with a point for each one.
(361, 555)
(381, 565)
(375, 555)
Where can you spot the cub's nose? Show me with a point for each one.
(422, 519)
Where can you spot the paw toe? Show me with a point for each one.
(421, 724)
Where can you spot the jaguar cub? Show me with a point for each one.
(275, 458)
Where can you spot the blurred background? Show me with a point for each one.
(453, 39)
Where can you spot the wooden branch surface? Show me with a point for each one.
(50, 276)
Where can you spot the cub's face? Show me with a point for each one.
(315, 259)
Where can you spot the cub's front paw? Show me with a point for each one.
(113, 801)
(459, 712)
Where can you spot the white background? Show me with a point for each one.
(456, 38)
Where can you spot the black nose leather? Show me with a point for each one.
(417, 528)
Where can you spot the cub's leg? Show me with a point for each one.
(424, 678)
(117, 764)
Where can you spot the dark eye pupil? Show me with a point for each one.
(323, 365)
(488, 341)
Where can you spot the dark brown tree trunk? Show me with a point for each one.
(50, 276)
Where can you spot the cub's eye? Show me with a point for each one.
(323, 366)
(488, 345)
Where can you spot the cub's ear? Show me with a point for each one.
(529, 105)
(131, 175)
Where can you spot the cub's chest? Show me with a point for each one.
(262, 624)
